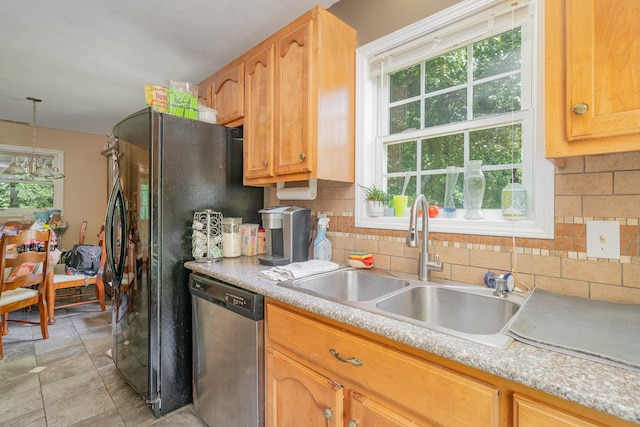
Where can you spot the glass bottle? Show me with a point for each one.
(474, 185)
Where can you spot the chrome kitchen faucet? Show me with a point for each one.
(424, 266)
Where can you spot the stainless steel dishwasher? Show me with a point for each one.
(228, 353)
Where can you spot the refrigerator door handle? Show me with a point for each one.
(115, 233)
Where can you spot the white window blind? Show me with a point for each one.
(442, 37)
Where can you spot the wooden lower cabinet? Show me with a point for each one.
(386, 386)
(367, 411)
(530, 413)
(322, 372)
(298, 396)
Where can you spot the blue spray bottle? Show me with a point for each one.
(322, 245)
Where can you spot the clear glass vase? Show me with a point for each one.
(474, 185)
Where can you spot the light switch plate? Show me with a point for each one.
(603, 239)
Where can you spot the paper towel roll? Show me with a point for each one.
(298, 193)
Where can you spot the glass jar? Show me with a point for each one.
(231, 238)
(474, 185)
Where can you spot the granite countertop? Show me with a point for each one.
(608, 389)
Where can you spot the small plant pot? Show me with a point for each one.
(375, 208)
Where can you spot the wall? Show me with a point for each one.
(376, 18)
(85, 169)
(592, 187)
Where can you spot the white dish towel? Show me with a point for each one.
(297, 270)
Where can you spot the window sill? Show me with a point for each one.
(492, 225)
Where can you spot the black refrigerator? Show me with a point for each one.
(167, 169)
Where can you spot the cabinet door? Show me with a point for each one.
(258, 124)
(603, 68)
(298, 396)
(293, 106)
(529, 413)
(228, 94)
(367, 412)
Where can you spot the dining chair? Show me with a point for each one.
(58, 280)
(83, 230)
(23, 271)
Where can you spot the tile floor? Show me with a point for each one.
(68, 379)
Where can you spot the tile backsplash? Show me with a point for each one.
(603, 187)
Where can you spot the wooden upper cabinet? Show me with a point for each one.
(258, 124)
(294, 93)
(299, 119)
(592, 90)
(293, 106)
(227, 94)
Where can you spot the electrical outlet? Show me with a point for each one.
(603, 239)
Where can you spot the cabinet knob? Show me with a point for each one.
(265, 163)
(353, 423)
(580, 109)
(302, 156)
(328, 413)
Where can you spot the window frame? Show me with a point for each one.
(58, 184)
(370, 122)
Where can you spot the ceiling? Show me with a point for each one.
(88, 60)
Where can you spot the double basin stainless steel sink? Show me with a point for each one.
(465, 311)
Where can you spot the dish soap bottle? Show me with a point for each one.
(322, 245)
(514, 200)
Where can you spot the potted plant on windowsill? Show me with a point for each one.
(376, 200)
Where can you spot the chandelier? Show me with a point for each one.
(34, 167)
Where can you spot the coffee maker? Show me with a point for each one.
(288, 230)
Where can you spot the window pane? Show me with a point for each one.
(495, 182)
(403, 117)
(446, 108)
(498, 54)
(446, 71)
(433, 187)
(404, 84)
(442, 151)
(401, 157)
(497, 96)
(26, 196)
(394, 186)
(494, 146)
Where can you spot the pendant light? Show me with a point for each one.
(34, 167)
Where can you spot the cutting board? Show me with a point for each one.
(608, 332)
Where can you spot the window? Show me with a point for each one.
(458, 86)
(21, 196)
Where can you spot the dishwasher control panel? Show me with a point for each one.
(238, 300)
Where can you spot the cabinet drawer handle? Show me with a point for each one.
(302, 156)
(265, 163)
(354, 360)
(580, 109)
